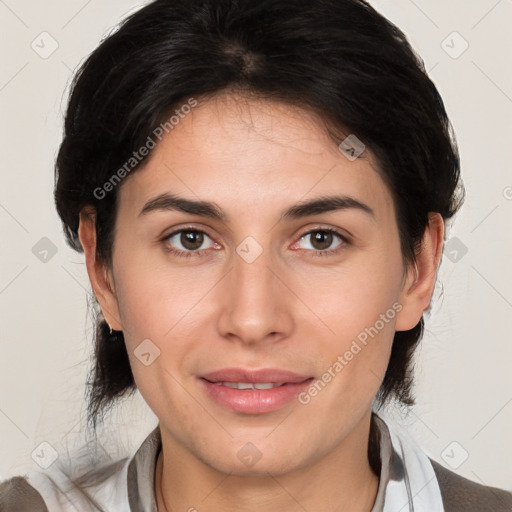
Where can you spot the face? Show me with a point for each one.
(314, 292)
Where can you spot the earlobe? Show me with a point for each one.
(421, 277)
(97, 271)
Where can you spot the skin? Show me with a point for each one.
(255, 158)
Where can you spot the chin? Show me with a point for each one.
(256, 465)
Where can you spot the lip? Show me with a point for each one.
(257, 376)
(253, 401)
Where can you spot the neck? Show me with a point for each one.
(343, 480)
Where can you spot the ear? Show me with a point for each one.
(101, 279)
(420, 280)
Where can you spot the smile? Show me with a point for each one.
(251, 391)
(250, 385)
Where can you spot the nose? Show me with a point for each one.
(256, 306)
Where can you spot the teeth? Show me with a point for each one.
(266, 385)
(249, 385)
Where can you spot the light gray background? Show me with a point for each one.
(464, 383)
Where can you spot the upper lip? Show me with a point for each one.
(256, 376)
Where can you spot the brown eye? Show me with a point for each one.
(191, 240)
(186, 241)
(322, 240)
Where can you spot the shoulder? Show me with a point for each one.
(463, 495)
(67, 489)
(17, 495)
(82, 481)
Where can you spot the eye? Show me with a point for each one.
(322, 239)
(189, 242)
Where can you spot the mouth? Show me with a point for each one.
(249, 385)
(253, 391)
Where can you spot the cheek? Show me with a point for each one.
(156, 296)
(165, 305)
(359, 305)
(352, 297)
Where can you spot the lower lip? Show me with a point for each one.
(254, 401)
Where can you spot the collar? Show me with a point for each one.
(407, 481)
(141, 474)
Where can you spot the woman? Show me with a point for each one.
(260, 190)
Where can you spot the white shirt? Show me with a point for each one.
(407, 483)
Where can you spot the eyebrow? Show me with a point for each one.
(166, 201)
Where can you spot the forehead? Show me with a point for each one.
(255, 153)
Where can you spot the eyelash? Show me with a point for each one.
(315, 253)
